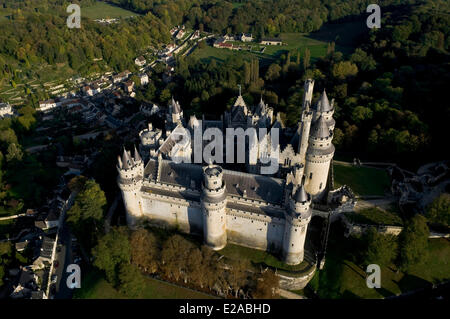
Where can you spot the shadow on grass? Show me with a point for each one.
(410, 282)
(384, 292)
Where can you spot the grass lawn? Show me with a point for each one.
(94, 286)
(102, 10)
(362, 180)
(375, 216)
(258, 257)
(343, 278)
(343, 34)
(294, 42)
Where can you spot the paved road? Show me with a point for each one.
(64, 258)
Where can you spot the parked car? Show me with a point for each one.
(54, 279)
(56, 264)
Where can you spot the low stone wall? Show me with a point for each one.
(296, 281)
(362, 228)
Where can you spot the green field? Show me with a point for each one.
(362, 180)
(102, 10)
(344, 35)
(294, 42)
(342, 278)
(258, 258)
(94, 286)
(374, 216)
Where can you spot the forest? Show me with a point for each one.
(389, 93)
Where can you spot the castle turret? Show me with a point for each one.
(298, 216)
(213, 206)
(175, 115)
(318, 157)
(306, 119)
(131, 171)
(325, 109)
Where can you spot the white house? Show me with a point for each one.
(246, 37)
(5, 110)
(144, 78)
(140, 61)
(47, 105)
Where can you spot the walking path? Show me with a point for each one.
(12, 217)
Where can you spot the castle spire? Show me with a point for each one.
(125, 159)
(137, 157)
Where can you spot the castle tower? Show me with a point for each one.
(175, 115)
(318, 157)
(213, 206)
(326, 109)
(298, 216)
(306, 119)
(131, 172)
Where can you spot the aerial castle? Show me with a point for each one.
(225, 205)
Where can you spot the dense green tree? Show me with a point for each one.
(145, 252)
(439, 210)
(131, 281)
(413, 242)
(381, 249)
(113, 249)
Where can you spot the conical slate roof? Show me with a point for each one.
(261, 108)
(300, 195)
(176, 109)
(323, 105)
(125, 160)
(320, 128)
(240, 101)
(137, 157)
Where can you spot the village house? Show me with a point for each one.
(196, 35)
(121, 76)
(246, 37)
(140, 61)
(143, 78)
(5, 110)
(129, 86)
(271, 41)
(47, 105)
(180, 34)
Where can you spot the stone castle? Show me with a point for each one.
(226, 204)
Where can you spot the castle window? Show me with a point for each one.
(320, 186)
(292, 245)
(296, 229)
(310, 175)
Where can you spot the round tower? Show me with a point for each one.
(318, 157)
(325, 109)
(298, 216)
(213, 206)
(131, 172)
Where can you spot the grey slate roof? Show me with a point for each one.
(320, 128)
(300, 195)
(137, 157)
(176, 109)
(256, 187)
(323, 105)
